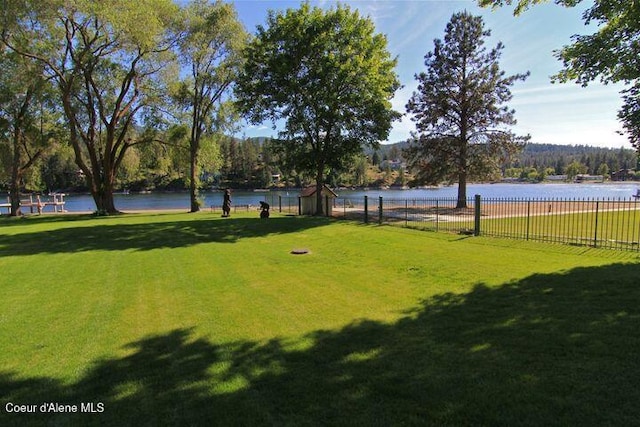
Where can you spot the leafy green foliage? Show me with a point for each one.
(328, 76)
(574, 169)
(610, 54)
(29, 123)
(629, 114)
(211, 50)
(459, 109)
(101, 57)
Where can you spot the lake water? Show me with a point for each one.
(124, 202)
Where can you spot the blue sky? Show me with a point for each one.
(550, 113)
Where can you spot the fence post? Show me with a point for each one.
(476, 228)
(528, 216)
(366, 209)
(380, 210)
(279, 203)
(595, 233)
(299, 205)
(406, 212)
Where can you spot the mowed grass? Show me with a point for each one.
(193, 319)
(610, 228)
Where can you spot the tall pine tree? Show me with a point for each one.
(461, 120)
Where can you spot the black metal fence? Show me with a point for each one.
(603, 223)
(283, 204)
(435, 214)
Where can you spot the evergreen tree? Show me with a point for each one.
(560, 165)
(375, 159)
(459, 110)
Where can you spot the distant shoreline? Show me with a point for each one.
(339, 188)
(342, 188)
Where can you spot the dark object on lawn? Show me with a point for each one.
(300, 251)
(264, 210)
(226, 203)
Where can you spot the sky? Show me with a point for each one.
(554, 113)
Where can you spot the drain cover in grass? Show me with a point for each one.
(300, 251)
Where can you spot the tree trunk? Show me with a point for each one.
(14, 199)
(462, 191)
(14, 195)
(102, 193)
(462, 162)
(194, 150)
(319, 186)
(193, 185)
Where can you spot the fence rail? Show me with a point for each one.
(602, 223)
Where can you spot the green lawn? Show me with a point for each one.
(607, 229)
(193, 319)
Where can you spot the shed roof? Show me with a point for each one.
(310, 191)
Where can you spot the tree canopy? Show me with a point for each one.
(211, 51)
(459, 108)
(28, 119)
(329, 77)
(610, 53)
(101, 56)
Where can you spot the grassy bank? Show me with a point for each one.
(198, 320)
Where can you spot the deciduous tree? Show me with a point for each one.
(574, 169)
(27, 119)
(329, 77)
(211, 51)
(102, 56)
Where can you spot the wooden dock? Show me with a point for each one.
(36, 204)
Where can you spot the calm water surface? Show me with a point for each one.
(82, 203)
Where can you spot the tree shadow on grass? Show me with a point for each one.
(156, 234)
(8, 221)
(550, 349)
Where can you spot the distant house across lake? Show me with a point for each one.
(623, 175)
(589, 178)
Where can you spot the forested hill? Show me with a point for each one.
(543, 156)
(550, 155)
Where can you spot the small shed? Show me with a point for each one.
(308, 200)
